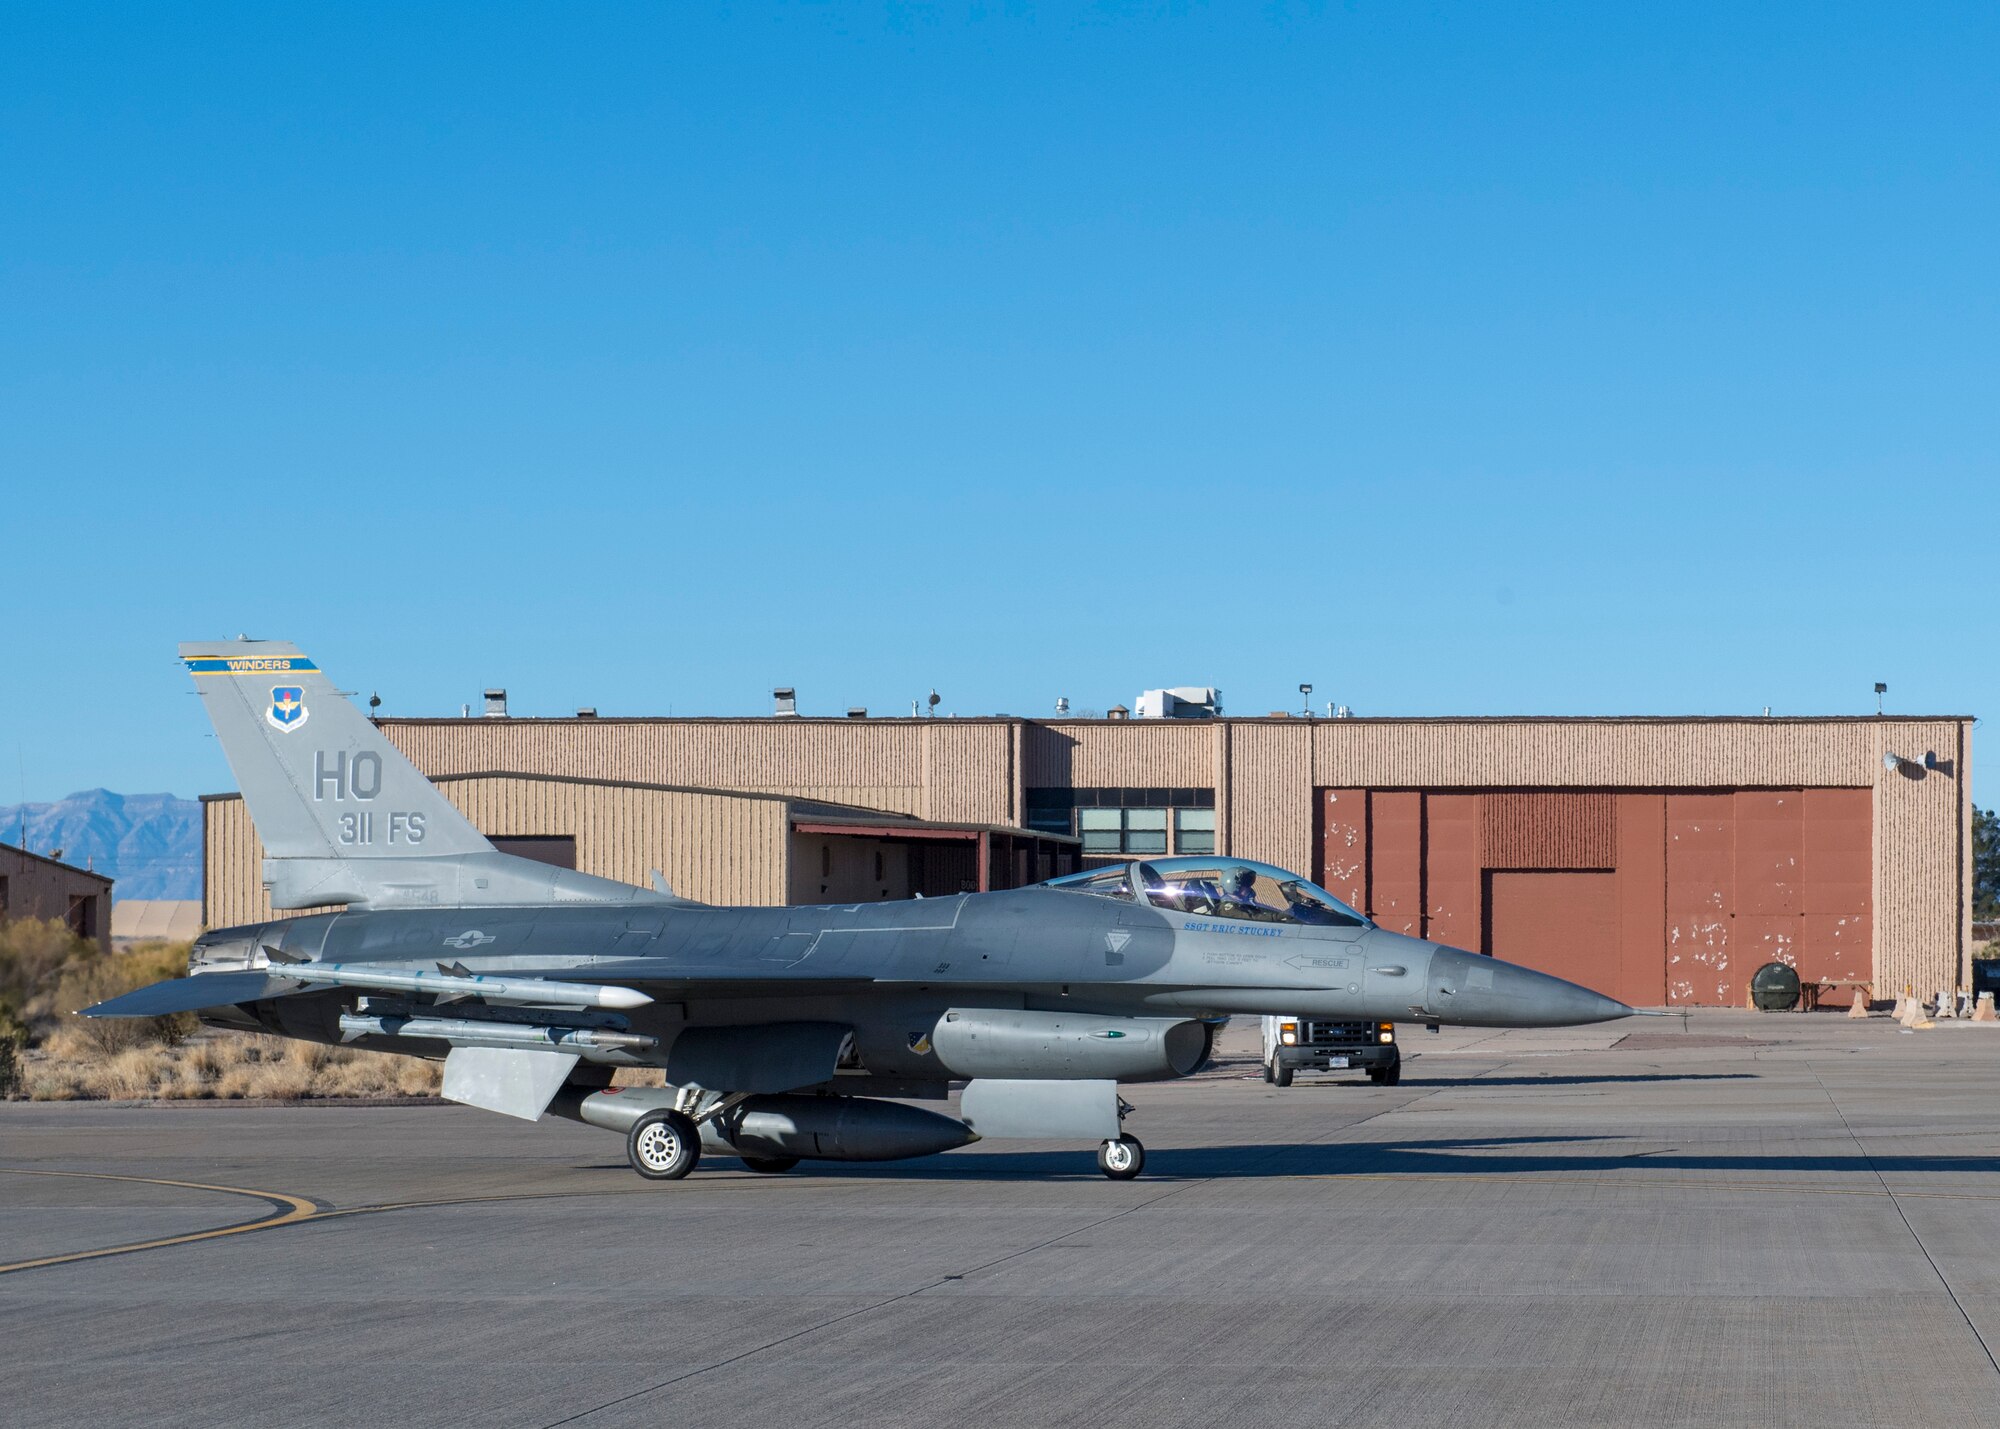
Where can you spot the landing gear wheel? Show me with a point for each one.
(663, 1145)
(770, 1165)
(1121, 1159)
(1281, 1076)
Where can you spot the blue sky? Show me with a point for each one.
(1457, 358)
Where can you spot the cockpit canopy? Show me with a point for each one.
(1217, 888)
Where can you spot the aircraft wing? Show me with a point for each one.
(192, 994)
(205, 990)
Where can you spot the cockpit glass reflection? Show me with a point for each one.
(1218, 888)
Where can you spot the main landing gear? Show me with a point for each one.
(663, 1145)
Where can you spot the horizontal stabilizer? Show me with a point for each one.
(192, 994)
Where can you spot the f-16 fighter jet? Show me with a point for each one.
(783, 1033)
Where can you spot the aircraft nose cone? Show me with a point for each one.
(1486, 992)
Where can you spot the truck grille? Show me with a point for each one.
(1339, 1034)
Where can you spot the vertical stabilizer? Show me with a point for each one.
(319, 779)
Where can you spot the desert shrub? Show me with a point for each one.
(92, 980)
(223, 1066)
(33, 954)
(13, 1037)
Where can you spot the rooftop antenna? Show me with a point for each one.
(1306, 694)
(934, 702)
(374, 703)
(1880, 690)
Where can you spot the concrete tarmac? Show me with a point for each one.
(1755, 1220)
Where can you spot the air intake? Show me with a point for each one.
(496, 704)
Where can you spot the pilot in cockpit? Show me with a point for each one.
(1239, 897)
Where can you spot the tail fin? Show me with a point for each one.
(320, 781)
(344, 817)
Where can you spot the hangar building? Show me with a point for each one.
(32, 886)
(1661, 860)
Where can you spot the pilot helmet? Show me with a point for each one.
(1238, 883)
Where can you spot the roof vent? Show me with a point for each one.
(857, 712)
(1118, 712)
(586, 711)
(785, 703)
(496, 704)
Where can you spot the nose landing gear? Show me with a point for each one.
(1121, 1158)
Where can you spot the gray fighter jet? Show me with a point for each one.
(783, 1033)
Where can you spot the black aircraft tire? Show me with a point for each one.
(770, 1165)
(663, 1145)
(1281, 1076)
(1121, 1159)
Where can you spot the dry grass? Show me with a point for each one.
(224, 1066)
(34, 954)
(49, 975)
(85, 981)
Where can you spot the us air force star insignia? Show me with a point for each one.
(470, 938)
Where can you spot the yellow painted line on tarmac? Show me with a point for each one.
(286, 1210)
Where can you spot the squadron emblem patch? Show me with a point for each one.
(288, 708)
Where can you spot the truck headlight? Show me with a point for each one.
(1288, 1033)
(1388, 1031)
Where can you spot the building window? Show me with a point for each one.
(1145, 831)
(82, 918)
(1051, 811)
(1103, 830)
(1194, 831)
(1112, 821)
(1142, 831)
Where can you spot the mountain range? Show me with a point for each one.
(150, 843)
